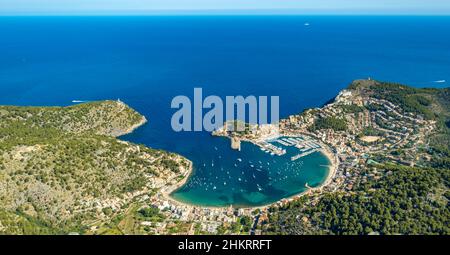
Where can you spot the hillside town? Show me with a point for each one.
(377, 130)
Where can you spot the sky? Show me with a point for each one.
(18, 7)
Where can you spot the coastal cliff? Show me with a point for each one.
(109, 118)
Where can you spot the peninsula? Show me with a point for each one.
(63, 171)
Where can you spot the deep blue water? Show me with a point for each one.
(146, 61)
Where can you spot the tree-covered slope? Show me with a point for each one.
(61, 167)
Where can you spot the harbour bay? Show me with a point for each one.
(169, 56)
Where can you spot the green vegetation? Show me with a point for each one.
(246, 223)
(61, 167)
(241, 226)
(151, 214)
(410, 99)
(440, 141)
(178, 227)
(352, 108)
(170, 164)
(370, 131)
(404, 201)
(103, 118)
(334, 123)
(19, 223)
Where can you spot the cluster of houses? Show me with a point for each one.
(400, 131)
(207, 219)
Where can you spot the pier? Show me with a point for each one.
(303, 154)
(305, 146)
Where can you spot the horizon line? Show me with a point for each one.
(219, 14)
(236, 12)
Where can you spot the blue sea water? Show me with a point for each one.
(146, 61)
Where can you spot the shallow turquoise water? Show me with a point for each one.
(251, 177)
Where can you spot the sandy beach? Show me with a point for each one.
(334, 163)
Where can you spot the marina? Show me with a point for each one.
(303, 144)
(270, 148)
(253, 175)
